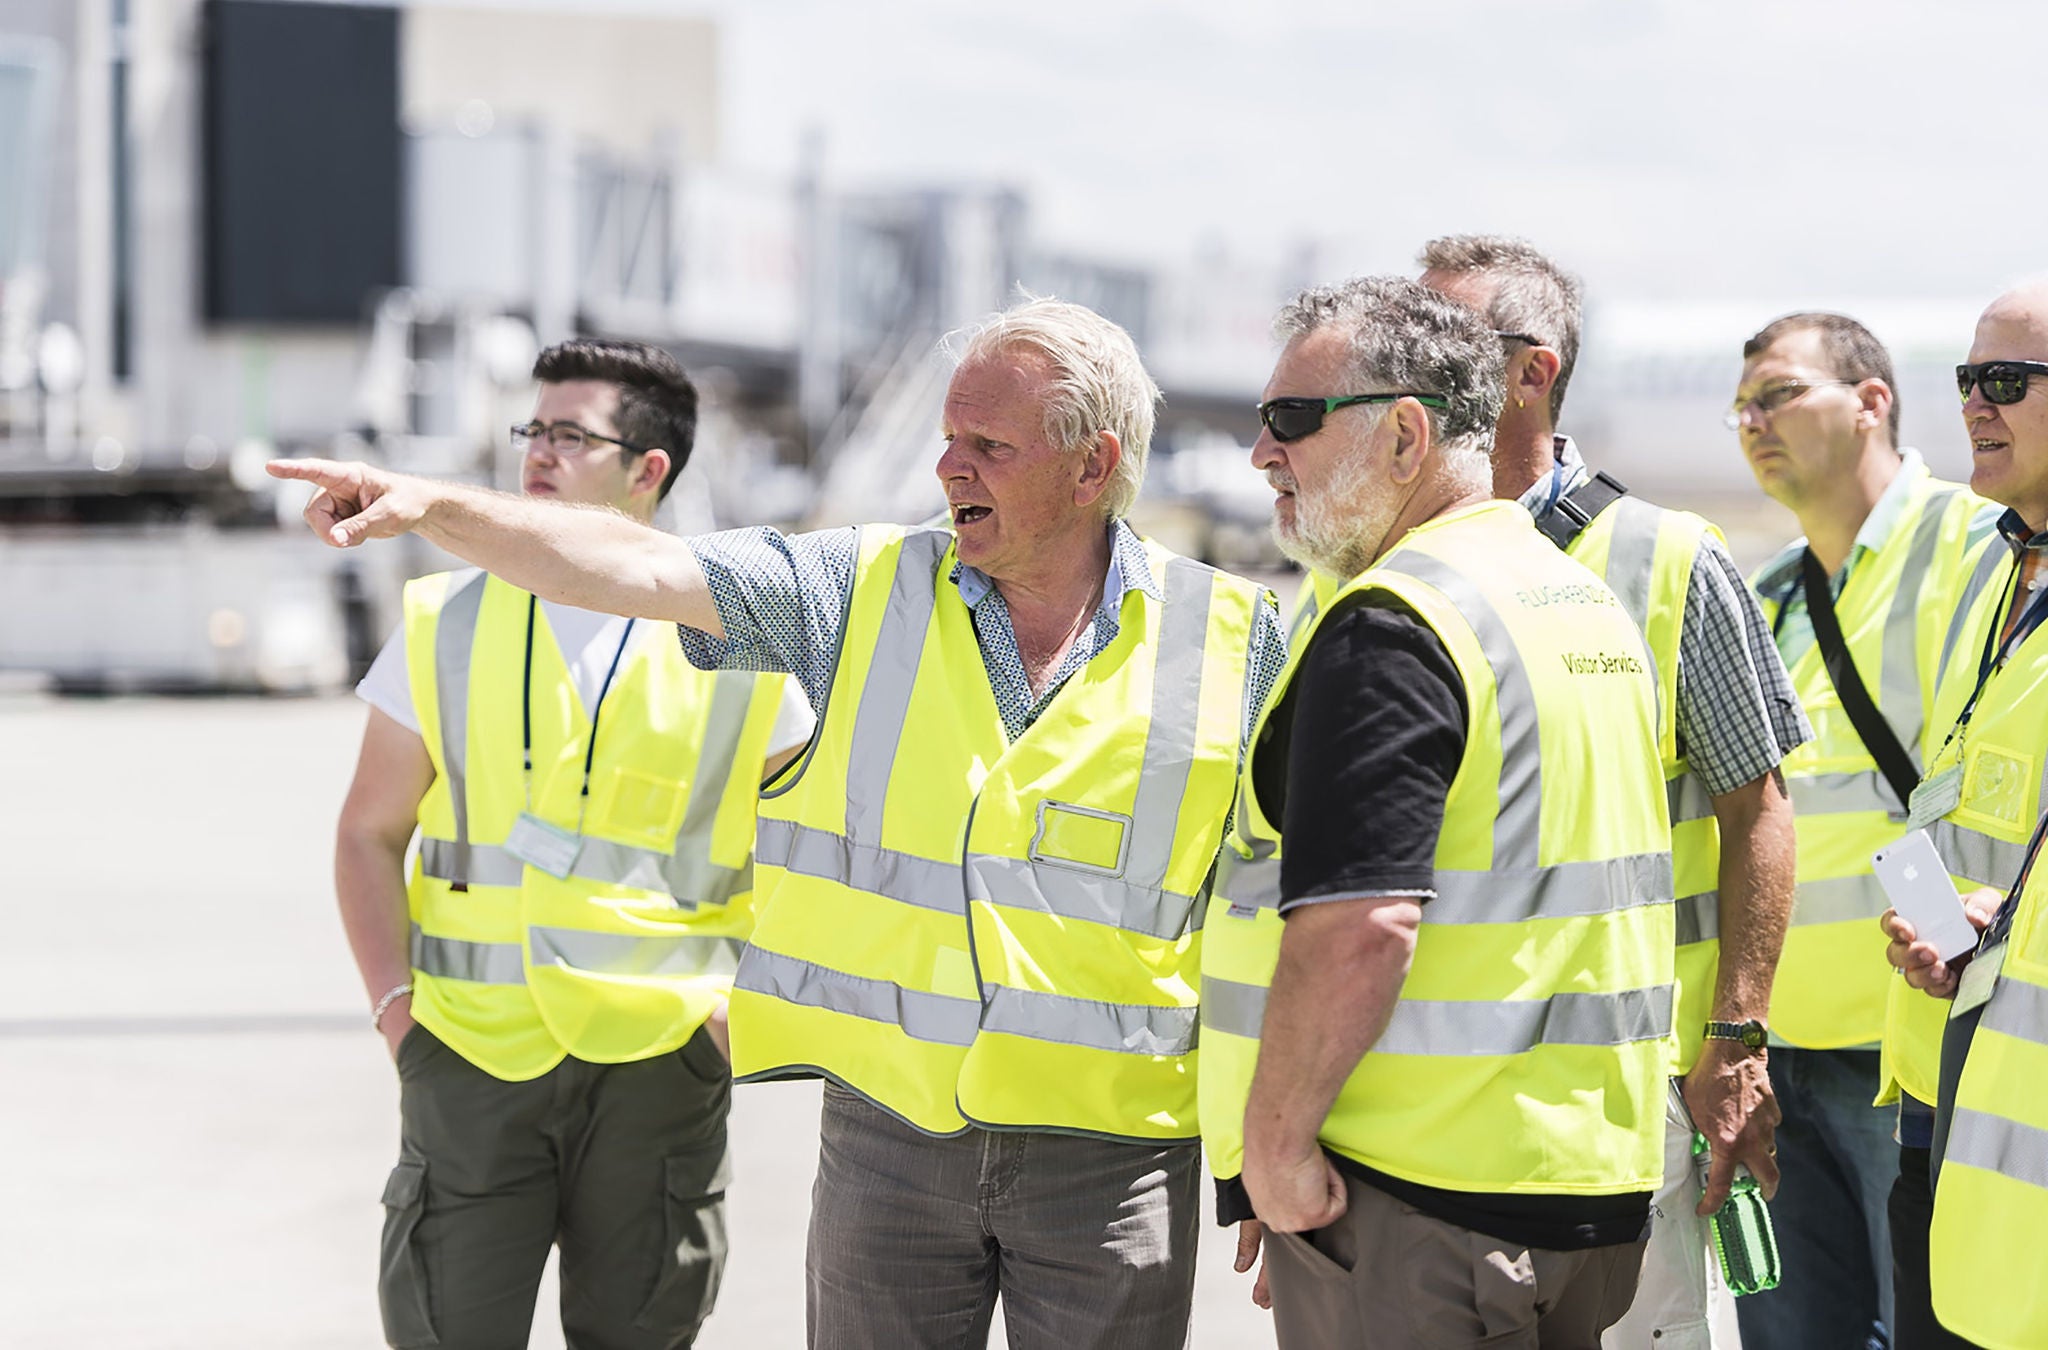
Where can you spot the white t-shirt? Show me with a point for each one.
(587, 640)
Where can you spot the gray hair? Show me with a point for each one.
(1407, 337)
(1533, 294)
(1098, 382)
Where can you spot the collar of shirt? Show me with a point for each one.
(1568, 471)
(2018, 537)
(1129, 569)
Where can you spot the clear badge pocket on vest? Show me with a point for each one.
(1081, 837)
(639, 808)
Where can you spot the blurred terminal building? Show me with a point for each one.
(232, 229)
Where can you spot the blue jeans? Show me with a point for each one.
(1838, 1161)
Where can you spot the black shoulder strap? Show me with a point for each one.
(1878, 737)
(1577, 509)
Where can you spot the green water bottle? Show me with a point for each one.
(1742, 1231)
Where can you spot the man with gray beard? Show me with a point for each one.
(1437, 963)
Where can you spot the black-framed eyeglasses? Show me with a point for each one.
(2003, 382)
(1290, 419)
(565, 438)
(1772, 397)
(1529, 338)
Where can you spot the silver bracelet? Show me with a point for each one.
(391, 996)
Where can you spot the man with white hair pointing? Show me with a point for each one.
(979, 884)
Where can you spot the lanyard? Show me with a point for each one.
(1995, 653)
(2000, 926)
(1556, 487)
(526, 714)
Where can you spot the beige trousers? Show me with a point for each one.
(1387, 1277)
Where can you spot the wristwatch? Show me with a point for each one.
(1752, 1033)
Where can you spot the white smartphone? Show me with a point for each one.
(1918, 885)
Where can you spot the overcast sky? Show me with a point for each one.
(1882, 147)
(1807, 149)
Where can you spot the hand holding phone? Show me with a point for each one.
(1917, 883)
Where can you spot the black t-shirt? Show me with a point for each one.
(1359, 798)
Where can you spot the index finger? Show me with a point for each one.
(1720, 1174)
(1765, 1169)
(325, 472)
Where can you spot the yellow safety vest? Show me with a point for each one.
(1991, 1203)
(2004, 754)
(1645, 555)
(1529, 1049)
(625, 958)
(968, 929)
(1832, 980)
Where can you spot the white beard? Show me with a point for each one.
(1337, 531)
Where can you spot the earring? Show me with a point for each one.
(1518, 403)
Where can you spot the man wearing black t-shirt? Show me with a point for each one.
(1433, 1055)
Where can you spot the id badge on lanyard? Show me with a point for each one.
(1980, 978)
(548, 847)
(1938, 794)
(539, 843)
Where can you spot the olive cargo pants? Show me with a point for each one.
(623, 1165)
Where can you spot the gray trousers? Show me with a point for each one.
(1389, 1277)
(623, 1164)
(1090, 1242)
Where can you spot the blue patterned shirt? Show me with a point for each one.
(783, 601)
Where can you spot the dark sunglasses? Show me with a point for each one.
(1290, 419)
(1529, 338)
(2002, 381)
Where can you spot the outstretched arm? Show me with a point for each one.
(585, 556)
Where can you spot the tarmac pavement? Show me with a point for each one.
(198, 1121)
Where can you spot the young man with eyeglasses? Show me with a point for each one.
(1886, 548)
(1727, 718)
(1982, 801)
(551, 978)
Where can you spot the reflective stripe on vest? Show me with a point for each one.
(1452, 1027)
(1647, 555)
(454, 636)
(1995, 1143)
(576, 949)
(1993, 556)
(922, 1015)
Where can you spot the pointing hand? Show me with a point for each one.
(355, 501)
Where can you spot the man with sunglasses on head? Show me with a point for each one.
(1982, 800)
(1436, 980)
(979, 887)
(1727, 718)
(552, 977)
(1859, 608)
